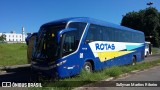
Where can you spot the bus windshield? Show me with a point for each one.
(47, 45)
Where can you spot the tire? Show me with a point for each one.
(88, 67)
(133, 61)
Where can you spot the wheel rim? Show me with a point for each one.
(87, 68)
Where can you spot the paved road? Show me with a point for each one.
(151, 74)
(22, 73)
(152, 58)
(15, 74)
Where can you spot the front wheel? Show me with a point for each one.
(88, 67)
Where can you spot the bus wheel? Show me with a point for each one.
(133, 61)
(88, 67)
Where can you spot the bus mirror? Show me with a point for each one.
(68, 29)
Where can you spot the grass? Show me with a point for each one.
(86, 78)
(155, 50)
(13, 54)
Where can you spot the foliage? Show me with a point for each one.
(2, 38)
(155, 51)
(147, 20)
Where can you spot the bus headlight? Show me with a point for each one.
(60, 63)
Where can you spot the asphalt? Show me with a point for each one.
(14, 66)
(18, 73)
(151, 74)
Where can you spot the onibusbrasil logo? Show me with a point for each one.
(13, 84)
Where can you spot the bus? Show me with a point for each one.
(64, 47)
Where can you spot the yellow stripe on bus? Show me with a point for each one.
(104, 56)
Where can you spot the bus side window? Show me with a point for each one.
(90, 35)
(105, 34)
(69, 44)
(94, 33)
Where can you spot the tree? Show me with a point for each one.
(147, 20)
(131, 20)
(2, 38)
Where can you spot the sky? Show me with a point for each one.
(31, 14)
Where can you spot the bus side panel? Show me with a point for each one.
(88, 55)
(116, 53)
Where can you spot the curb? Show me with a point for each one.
(14, 66)
(112, 78)
(108, 79)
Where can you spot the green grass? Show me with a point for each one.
(13, 54)
(86, 78)
(155, 50)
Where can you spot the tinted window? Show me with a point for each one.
(79, 29)
(94, 33)
(72, 38)
(102, 33)
(46, 43)
(69, 44)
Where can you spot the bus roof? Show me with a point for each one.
(92, 21)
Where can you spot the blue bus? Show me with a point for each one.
(64, 47)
